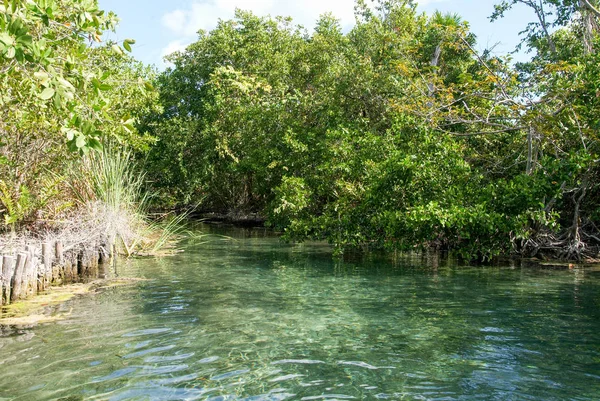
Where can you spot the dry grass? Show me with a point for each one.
(109, 208)
(97, 225)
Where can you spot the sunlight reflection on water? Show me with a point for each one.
(255, 320)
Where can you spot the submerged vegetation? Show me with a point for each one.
(395, 135)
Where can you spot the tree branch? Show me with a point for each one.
(500, 131)
(593, 9)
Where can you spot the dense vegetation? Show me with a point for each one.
(394, 135)
(67, 104)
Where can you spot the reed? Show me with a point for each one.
(111, 188)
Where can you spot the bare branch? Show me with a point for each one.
(593, 9)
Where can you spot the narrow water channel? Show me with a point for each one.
(255, 319)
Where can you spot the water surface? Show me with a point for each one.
(254, 319)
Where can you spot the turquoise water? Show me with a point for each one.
(254, 319)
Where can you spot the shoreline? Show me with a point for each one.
(45, 307)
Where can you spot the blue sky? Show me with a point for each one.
(160, 27)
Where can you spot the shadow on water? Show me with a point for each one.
(255, 319)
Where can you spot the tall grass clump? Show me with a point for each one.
(110, 187)
(115, 180)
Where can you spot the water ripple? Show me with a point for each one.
(230, 374)
(115, 375)
(261, 322)
(147, 332)
(285, 377)
(364, 365)
(298, 361)
(158, 359)
(148, 351)
(329, 397)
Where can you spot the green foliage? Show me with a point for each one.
(47, 64)
(59, 85)
(111, 177)
(111, 186)
(319, 132)
(395, 135)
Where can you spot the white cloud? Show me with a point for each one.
(258, 6)
(175, 20)
(307, 12)
(204, 14)
(174, 46)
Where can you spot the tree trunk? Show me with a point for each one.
(589, 25)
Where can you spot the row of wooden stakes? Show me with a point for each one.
(34, 270)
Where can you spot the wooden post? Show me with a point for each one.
(25, 277)
(81, 264)
(8, 268)
(48, 258)
(65, 273)
(94, 259)
(35, 287)
(74, 267)
(102, 268)
(41, 277)
(31, 271)
(111, 247)
(17, 279)
(80, 256)
(58, 252)
(1, 275)
(101, 250)
(59, 262)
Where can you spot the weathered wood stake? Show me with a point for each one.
(1, 275)
(101, 255)
(48, 258)
(30, 272)
(8, 268)
(27, 274)
(35, 288)
(74, 266)
(58, 252)
(17, 279)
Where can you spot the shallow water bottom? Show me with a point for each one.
(255, 319)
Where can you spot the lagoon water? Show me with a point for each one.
(255, 319)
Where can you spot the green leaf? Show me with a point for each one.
(47, 93)
(96, 83)
(25, 40)
(70, 132)
(10, 54)
(19, 55)
(80, 143)
(116, 49)
(65, 84)
(127, 44)
(95, 144)
(6, 38)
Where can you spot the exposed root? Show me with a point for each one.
(581, 244)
